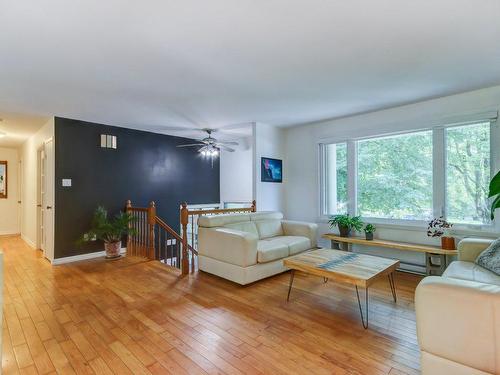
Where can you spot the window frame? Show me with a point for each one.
(439, 174)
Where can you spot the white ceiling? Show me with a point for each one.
(18, 128)
(154, 63)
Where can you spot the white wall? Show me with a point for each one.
(9, 208)
(29, 189)
(301, 149)
(269, 142)
(236, 173)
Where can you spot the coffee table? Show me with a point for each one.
(351, 268)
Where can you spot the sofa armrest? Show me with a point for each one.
(459, 320)
(228, 245)
(470, 248)
(299, 228)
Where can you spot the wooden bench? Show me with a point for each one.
(345, 243)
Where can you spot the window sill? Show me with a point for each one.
(421, 226)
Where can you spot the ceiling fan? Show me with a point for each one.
(211, 146)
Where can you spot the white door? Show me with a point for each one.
(20, 184)
(47, 194)
(40, 240)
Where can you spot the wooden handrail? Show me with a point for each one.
(154, 239)
(219, 211)
(169, 229)
(185, 214)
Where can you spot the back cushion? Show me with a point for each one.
(269, 228)
(247, 226)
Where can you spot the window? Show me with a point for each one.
(468, 173)
(395, 177)
(413, 176)
(336, 182)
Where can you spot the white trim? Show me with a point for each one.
(28, 241)
(7, 233)
(77, 258)
(439, 172)
(352, 178)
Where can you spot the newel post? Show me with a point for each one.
(254, 206)
(128, 208)
(184, 224)
(151, 225)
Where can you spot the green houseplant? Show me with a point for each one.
(495, 192)
(369, 230)
(110, 231)
(346, 223)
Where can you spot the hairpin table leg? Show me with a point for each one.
(365, 325)
(292, 274)
(393, 286)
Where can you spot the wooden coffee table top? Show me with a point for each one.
(356, 269)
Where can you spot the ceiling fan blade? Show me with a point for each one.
(227, 143)
(225, 148)
(192, 145)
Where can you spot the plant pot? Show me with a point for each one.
(369, 236)
(448, 243)
(112, 249)
(344, 231)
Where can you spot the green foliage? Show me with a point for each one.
(108, 230)
(494, 191)
(468, 173)
(370, 228)
(350, 222)
(395, 176)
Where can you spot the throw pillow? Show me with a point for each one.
(490, 257)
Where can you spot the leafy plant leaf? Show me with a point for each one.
(494, 206)
(494, 185)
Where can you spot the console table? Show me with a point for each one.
(430, 251)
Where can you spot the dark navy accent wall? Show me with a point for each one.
(145, 167)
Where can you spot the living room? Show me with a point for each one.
(261, 188)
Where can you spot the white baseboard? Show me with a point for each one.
(28, 241)
(8, 233)
(77, 258)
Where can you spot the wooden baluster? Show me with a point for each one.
(151, 235)
(184, 224)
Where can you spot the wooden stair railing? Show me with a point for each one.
(154, 239)
(189, 226)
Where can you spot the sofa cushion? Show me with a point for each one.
(490, 258)
(246, 226)
(211, 221)
(269, 228)
(268, 251)
(266, 215)
(296, 244)
(471, 271)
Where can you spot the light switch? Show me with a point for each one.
(66, 182)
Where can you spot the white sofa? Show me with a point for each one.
(248, 247)
(458, 317)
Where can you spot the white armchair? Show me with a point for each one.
(248, 247)
(458, 317)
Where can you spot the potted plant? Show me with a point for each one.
(494, 192)
(346, 223)
(369, 230)
(109, 230)
(441, 228)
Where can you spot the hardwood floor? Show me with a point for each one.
(131, 316)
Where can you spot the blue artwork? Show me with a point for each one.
(271, 170)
